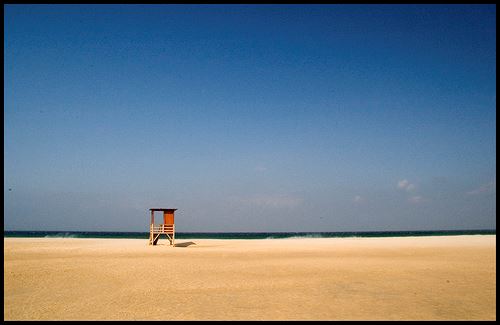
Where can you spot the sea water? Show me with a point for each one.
(244, 235)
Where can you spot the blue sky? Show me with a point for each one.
(250, 117)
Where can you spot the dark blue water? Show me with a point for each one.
(244, 235)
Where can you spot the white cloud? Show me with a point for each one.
(358, 199)
(406, 185)
(415, 199)
(260, 168)
(410, 187)
(403, 183)
(484, 188)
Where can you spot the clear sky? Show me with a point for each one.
(250, 117)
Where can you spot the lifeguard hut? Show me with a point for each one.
(167, 227)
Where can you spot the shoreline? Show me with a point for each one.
(347, 278)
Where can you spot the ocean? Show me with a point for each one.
(244, 235)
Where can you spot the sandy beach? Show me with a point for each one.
(408, 278)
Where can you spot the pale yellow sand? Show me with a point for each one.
(408, 278)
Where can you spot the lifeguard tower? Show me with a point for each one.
(167, 227)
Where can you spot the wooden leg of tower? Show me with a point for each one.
(155, 239)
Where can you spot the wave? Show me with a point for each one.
(63, 235)
(292, 236)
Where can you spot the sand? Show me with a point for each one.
(408, 278)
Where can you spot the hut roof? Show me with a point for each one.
(161, 209)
